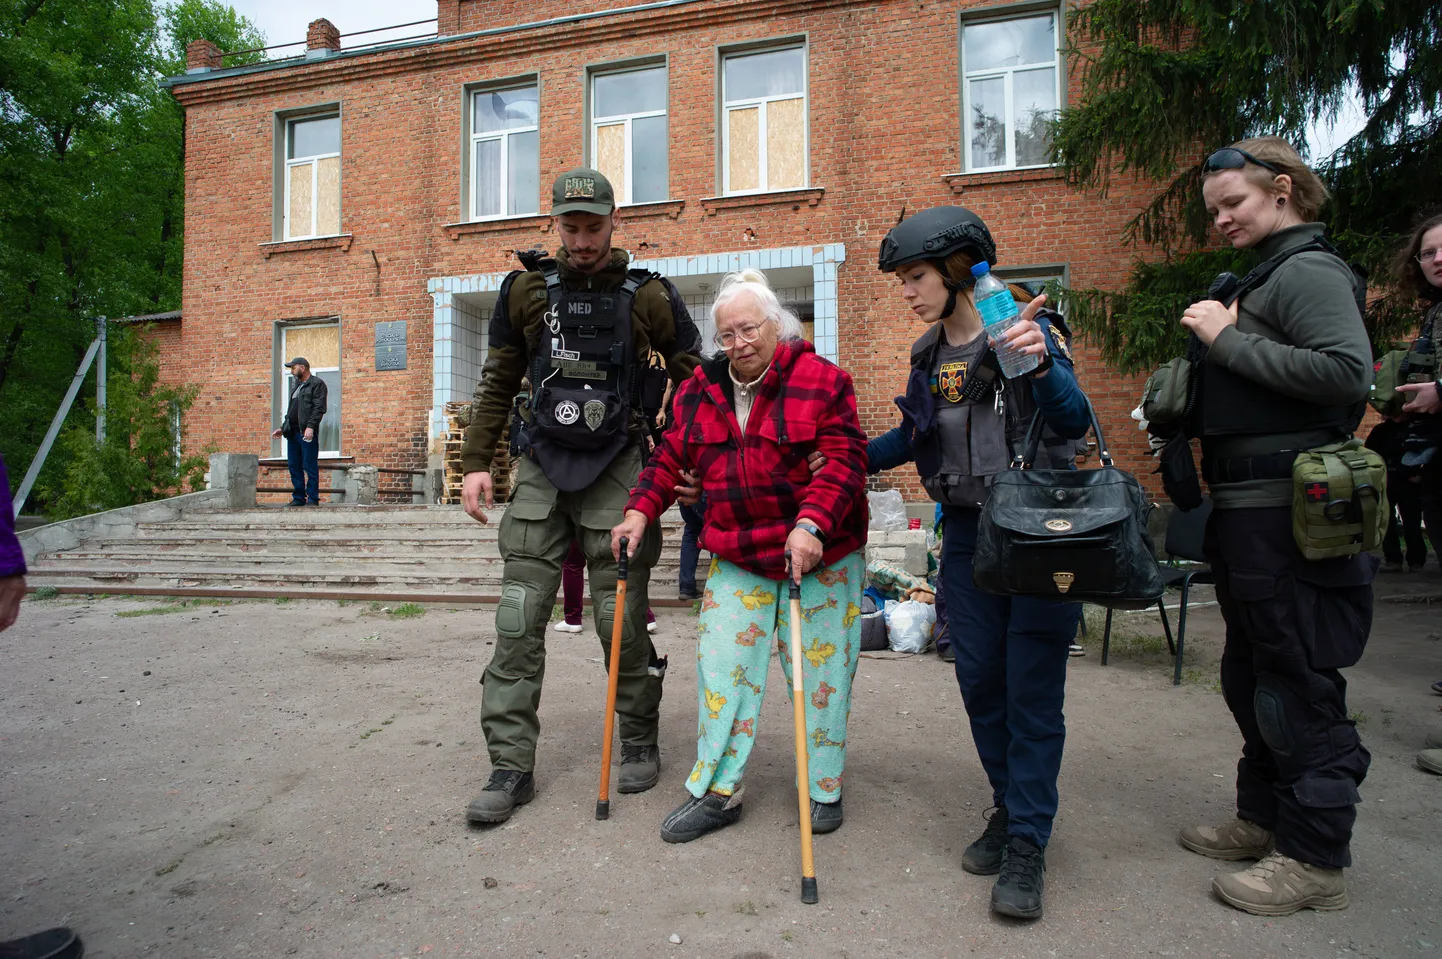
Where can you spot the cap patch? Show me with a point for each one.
(580, 188)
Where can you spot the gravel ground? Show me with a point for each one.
(277, 779)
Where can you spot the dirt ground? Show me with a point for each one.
(289, 779)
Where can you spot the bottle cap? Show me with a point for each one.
(981, 269)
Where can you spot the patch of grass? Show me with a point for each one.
(343, 602)
(747, 908)
(408, 611)
(44, 592)
(177, 606)
(367, 734)
(786, 935)
(1359, 717)
(375, 606)
(282, 601)
(1129, 639)
(371, 638)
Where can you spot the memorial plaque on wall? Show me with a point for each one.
(391, 345)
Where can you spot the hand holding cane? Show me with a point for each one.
(613, 679)
(803, 774)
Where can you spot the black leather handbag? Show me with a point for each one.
(1067, 535)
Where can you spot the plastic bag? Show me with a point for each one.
(888, 512)
(908, 626)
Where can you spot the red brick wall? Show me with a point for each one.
(884, 129)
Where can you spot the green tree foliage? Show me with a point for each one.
(1167, 81)
(139, 459)
(91, 186)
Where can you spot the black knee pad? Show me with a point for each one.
(1271, 707)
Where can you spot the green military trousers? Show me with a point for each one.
(535, 535)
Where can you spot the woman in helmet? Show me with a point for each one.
(1011, 653)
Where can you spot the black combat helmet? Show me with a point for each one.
(935, 234)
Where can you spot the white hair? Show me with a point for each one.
(788, 324)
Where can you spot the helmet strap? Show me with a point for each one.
(952, 290)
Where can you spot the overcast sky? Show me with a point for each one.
(284, 21)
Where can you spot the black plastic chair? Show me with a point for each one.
(1184, 541)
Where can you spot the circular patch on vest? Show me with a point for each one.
(567, 412)
(1058, 525)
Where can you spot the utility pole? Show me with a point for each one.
(100, 328)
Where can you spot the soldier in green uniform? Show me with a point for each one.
(586, 329)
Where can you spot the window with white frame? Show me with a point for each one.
(1010, 91)
(629, 138)
(763, 120)
(505, 164)
(312, 177)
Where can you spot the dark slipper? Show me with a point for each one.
(59, 943)
(1437, 686)
(694, 818)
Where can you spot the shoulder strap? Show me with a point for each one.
(636, 278)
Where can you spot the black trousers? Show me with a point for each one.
(1405, 495)
(1292, 625)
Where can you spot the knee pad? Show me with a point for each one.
(513, 615)
(1272, 720)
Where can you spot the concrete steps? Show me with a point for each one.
(394, 552)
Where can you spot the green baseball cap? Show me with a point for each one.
(582, 190)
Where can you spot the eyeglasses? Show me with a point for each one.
(1426, 256)
(749, 333)
(1230, 158)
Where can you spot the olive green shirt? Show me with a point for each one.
(1300, 334)
(508, 358)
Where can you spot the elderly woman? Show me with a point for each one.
(745, 424)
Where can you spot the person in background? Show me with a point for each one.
(58, 943)
(1404, 487)
(693, 517)
(573, 599)
(301, 430)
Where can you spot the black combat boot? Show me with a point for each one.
(983, 857)
(640, 768)
(507, 789)
(1023, 877)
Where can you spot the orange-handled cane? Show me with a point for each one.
(803, 773)
(613, 679)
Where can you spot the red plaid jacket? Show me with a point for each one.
(759, 485)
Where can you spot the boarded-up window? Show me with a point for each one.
(320, 345)
(629, 132)
(765, 121)
(312, 177)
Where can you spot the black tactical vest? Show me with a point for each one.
(1229, 404)
(582, 380)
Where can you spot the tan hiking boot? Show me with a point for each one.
(1238, 839)
(1280, 885)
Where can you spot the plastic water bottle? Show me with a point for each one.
(999, 312)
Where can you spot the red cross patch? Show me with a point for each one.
(1316, 492)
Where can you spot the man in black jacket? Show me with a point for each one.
(300, 428)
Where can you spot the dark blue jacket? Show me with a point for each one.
(1064, 407)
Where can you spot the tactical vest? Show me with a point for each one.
(583, 378)
(1013, 398)
(1230, 404)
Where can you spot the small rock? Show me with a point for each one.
(146, 673)
(675, 939)
(490, 883)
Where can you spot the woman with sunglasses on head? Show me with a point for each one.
(742, 429)
(1288, 367)
(961, 422)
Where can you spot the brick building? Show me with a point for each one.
(360, 206)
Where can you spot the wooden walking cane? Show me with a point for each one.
(613, 679)
(803, 773)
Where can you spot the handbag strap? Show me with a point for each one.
(1032, 442)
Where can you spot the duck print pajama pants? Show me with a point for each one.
(743, 617)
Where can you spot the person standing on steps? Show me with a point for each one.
(583, 326)
(301, 429)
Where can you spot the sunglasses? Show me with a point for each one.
(1230, 158)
